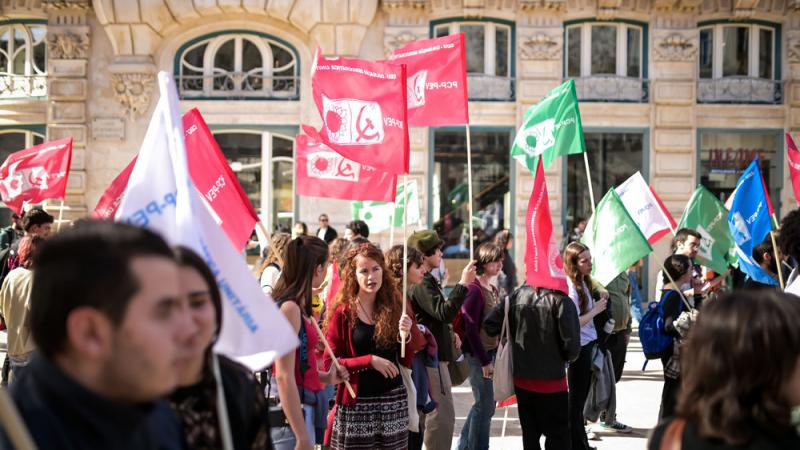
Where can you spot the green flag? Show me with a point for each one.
(378, 215)
(550, 128)
(613, 238)
(706, 214)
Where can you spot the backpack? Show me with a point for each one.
(655, 342)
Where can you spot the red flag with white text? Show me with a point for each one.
(542, 258)
(112, 197)
(363, 109)
(36, 174)
(321, 172)
(436, 80)
(213, 177)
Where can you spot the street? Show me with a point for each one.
(638, 400)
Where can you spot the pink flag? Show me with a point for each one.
(794, 166)
(36, 174)
(363, 109)
(542, 259)
(437, 81)
(213, 177)
(109, 202)
(321, 172)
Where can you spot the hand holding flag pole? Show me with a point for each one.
(403, 336)
(333, 357)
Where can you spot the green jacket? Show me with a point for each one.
(619, 294)
(436, 311)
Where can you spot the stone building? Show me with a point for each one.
(685, 91)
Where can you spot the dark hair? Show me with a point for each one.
(303, 226)
(186, 257)
(736, 364)
(430, 252)
(676, 266)
(359, 227)
(789, 237)
(485, 254)
(682, 235)
(358, 241)
(275, 251)
(760, 249)
(87, 265)
(394, 260)
(301, 258)
(28, 246)
(36, 216)
(571, 255)
(338, 248)
(502, 238)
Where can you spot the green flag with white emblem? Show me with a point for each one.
(378, 215)
(706, 214)
(550, 128)
(613, 238)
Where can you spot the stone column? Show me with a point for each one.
(68, 44)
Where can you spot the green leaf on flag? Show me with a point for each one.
(550, 128)
(706, 214)
(613, 238)
(378, 215)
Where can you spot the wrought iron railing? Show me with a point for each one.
(489, 87)
(740, 89)
(612, 88)
(22, 86)
(239, 85)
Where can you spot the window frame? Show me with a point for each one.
(218, 39)
(754, 37)
(30, 71)
(621, 66)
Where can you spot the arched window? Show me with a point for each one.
(23, 59)
(238, 65)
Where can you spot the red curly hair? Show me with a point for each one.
(388, 308)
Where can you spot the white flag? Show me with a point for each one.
(160, 196)
(645, 208)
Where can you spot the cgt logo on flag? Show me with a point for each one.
(332, 166)
(538, 138)
(353, 122)
(416, 89)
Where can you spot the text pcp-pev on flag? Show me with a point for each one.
(36, 174)
(436, 82)
(363, 109)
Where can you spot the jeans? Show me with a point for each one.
(283, 437)
(544, 414)
(18, 367)
(579, 377)
(637, 310)
(475, 434)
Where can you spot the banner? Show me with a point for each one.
(112, 197)
(794, 166)
(705, 214)
(749, 221)
(645, 208)
(363, 109)
(614, 239)
(542, 258)
(161, 196)
(378, 215)
(321, 172)
(550, 128)
(35, 174)
(436, 81)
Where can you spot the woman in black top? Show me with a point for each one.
(741, 376)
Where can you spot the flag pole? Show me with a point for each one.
(686, 302)
(60, 215)
(13, 425)
(333, 357)
(469, 191)
(263, 229)
(222, 407)
(589, 179)
(405, 258)
(391, 222)
(778, 264)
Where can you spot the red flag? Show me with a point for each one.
(508, 402)
(542, 259)
(321, 172)
(213, 177)
(36, 174)
(363, 109)
(109, 202)
(794, 166)
(436, 81)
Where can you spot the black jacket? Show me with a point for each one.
(545, 331)
(330, 235)
(760, 440)
(437, 312)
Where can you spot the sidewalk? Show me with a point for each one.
(638, 400)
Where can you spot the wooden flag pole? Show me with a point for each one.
(686, 302)
(222, 406)
(263, 229)
(469, 192)
(778, 265)
(589, 179)
(60, 215)
(405, 260)
(391, 222)
(333, 357)
(13, 424)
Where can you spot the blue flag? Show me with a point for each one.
(749, 221)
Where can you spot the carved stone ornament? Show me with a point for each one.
(543, 5)
(65, 4)
(405, 4)
(133, 91)
(541, 47)
(394, 42)
(68, 45)
(793, 47)
(675, 47)
(793, 5)
(677, 6)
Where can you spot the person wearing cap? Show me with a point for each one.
(437, 311)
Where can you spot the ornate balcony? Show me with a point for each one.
(612, 88)
(22, 86)
(740, 90)
(238, 86)
(489, 87)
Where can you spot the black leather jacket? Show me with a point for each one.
(545, 331)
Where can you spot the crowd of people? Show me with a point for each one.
(110, 337)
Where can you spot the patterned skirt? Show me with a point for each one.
(372, 423)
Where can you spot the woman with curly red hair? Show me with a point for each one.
(364, 328)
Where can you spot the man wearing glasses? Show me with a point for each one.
(686, 242)
(325, 232)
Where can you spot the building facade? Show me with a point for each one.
(685, 91)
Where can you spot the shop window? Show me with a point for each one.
(23, 60)
(13, 140)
